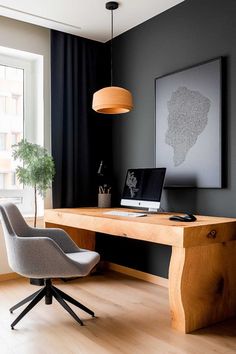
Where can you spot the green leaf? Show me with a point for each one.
(38, 167)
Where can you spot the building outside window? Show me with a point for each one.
(21, 116)
(3, 140)
(2, 180)
(11, 120)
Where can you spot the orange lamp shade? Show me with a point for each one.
(112, 100)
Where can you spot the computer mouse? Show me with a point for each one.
(185, 218)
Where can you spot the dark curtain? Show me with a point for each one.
(80, 136)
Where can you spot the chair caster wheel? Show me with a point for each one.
(11, 311)
(12, 328)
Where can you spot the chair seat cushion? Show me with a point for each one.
(86, 259)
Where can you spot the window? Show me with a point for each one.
(3, 140)
(15, 138)
(13, 179)
(21, 116)
(2, 180)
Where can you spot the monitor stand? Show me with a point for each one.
(152, 210)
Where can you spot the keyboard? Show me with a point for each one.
(124, 213)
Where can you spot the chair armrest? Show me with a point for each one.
(57, 235)
(41, 257)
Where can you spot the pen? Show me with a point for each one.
(101, 190)
(104, 189)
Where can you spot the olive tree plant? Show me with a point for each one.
(37, 168)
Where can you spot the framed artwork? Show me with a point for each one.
(188, 126)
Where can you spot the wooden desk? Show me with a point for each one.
(202, 282)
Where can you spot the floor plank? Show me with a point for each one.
(132, 317)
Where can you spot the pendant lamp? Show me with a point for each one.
(112, 99)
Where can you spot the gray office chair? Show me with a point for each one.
(44, 253)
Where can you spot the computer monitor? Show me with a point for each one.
(143, 188)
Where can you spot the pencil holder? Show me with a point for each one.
(104, 200)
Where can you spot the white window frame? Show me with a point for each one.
(32, 64)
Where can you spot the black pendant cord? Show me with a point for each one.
(111, 45)
(112, 5)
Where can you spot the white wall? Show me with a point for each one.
(34, 39)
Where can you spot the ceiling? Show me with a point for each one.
(85, 18)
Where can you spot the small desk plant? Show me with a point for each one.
(37, 170)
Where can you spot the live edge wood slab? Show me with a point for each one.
(202, 278)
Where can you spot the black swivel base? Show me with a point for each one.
(49, 291)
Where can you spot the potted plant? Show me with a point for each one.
(37, 170)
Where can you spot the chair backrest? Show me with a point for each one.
(13, 216)
(13, 225)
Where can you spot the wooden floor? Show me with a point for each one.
(132, 317)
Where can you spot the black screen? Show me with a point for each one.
(144, 184)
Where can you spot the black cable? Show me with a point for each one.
(111, 44)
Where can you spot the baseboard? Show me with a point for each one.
(9, 276)
(155, 279)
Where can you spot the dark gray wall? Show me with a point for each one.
(188, 34)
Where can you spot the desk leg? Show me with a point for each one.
(202, 285)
